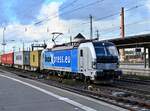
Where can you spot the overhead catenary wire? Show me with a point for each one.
(137, 6)
(129, 24)
(102, 18)
(115, 28)
(70, 4)
(111, 15)
(117, 13)
(126, 25)
(55, 14)
(108, 16)
(82, 7)
(71, 11)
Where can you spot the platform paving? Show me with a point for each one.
(21, 94)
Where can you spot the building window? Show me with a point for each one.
(81, 53)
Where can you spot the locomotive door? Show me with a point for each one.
(83, 60)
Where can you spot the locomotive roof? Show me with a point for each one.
(101, 43)
(72, 45)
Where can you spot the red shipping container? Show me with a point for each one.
(8, 58)
(3, 59)
(0, 59)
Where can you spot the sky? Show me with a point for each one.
(30, 21)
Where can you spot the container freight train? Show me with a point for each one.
(89, 60)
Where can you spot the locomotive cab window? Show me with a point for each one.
(81, 53)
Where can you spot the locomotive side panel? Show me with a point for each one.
(74, 60)
(62, 60)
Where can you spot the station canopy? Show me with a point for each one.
(132, 41)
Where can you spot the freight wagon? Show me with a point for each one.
(0, 60)
(22, 60)
(35, 57)
(7, 59)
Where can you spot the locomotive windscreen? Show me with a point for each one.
(106, 52)
(100, 51)
(105, 49)
(111, 50)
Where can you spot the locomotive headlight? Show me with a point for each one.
(94, 64)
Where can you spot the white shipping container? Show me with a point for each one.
(22, 58)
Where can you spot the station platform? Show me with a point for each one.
(21, 94)
(135, 69)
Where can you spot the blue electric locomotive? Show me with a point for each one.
(93, 60)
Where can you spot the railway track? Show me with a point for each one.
(134, 85)
(133, 80)
(126, 96)
(117, 95)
